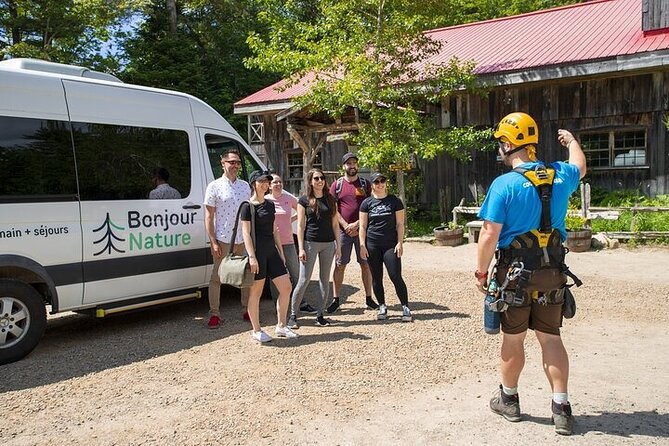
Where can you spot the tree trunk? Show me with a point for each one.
(172, 12)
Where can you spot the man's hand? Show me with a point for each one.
(351, 229)
(565, 137)
(216, 250)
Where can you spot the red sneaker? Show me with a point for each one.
(214, 322)
(246, 316)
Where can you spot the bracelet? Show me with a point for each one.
(479, 275)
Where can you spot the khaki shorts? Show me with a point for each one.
(546, 318)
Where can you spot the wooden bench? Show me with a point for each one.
(474, 228)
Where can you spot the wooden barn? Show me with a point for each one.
(599, 69)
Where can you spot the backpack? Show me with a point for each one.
(339, 184)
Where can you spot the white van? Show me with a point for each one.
(78, 231)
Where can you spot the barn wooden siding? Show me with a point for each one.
(639, 101)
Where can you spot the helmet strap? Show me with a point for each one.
(517, 149)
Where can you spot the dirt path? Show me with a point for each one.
(160, 377)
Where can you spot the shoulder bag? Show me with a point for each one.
(235, 269)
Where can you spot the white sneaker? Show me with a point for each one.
(284, 332)
(406, 314)
(261, 336)
(382, 315)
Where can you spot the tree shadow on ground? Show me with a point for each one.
(314, 338)
(623, 424)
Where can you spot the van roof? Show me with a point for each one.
(57, 68)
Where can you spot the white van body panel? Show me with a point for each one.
(32, 95)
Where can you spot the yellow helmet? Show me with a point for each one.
(519, 128)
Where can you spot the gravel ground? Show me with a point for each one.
(161, 377)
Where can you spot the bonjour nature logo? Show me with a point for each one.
(108, 236)
(145, 232)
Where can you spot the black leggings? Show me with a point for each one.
(379, 255)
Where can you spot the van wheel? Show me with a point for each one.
(22, 320)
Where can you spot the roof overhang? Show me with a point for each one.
(262, 108)
(620, 65)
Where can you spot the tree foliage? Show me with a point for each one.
(66, 31)
(202, 55)
(368, 55)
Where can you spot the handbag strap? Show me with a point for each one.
(253, 225)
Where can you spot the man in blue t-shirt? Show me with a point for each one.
(512, 207)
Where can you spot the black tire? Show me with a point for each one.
(22, 320)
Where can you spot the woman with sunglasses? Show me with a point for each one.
(381, 238)
(266, 257)
(317, 237)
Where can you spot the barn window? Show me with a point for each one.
(294, 181)
(615, 148)
(256, 129)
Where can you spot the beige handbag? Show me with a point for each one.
(235, 270)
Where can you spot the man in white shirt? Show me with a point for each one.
(222, 200)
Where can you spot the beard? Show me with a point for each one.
(351, 171)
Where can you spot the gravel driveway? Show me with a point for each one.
(161, 377)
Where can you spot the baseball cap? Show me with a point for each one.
(376, 176)
(348, 156)
(260, 175)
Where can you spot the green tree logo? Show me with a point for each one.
(108, 226)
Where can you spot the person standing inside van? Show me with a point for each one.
(266, 257)
(222, 200)
(349, 191)
(162, 191)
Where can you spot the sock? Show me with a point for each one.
(510, 391)
(561, 398)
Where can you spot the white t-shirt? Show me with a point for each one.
(226, 196)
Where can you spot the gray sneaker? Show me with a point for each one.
(406, 314)
(562, 418)
(382, 315)
(507, 406)
(292, 322)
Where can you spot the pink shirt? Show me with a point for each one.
(284, 212)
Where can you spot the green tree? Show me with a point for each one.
(66, 31)
(367, 55)
(197, 47)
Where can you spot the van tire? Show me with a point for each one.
(22, 300)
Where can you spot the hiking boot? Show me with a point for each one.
(334, 306)
(406, 314)
(371, 305)
(292, 322)
(562, 418)
(306, 308)
(382, 315)
(261, 336)
(214, 322)
(284, 332)
(505, 405)
(321, 321)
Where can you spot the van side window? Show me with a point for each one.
(117, 162)
(36, 160)
(217, 145)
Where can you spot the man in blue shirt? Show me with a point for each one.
(512, 207)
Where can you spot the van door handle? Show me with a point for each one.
(191, 206)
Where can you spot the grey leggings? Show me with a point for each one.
(325, 252)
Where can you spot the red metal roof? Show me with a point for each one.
(594, 30)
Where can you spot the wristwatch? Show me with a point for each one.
(479, 275)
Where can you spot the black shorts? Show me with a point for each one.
(270, 263)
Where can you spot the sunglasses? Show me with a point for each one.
(379, 181)
(318, 178)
